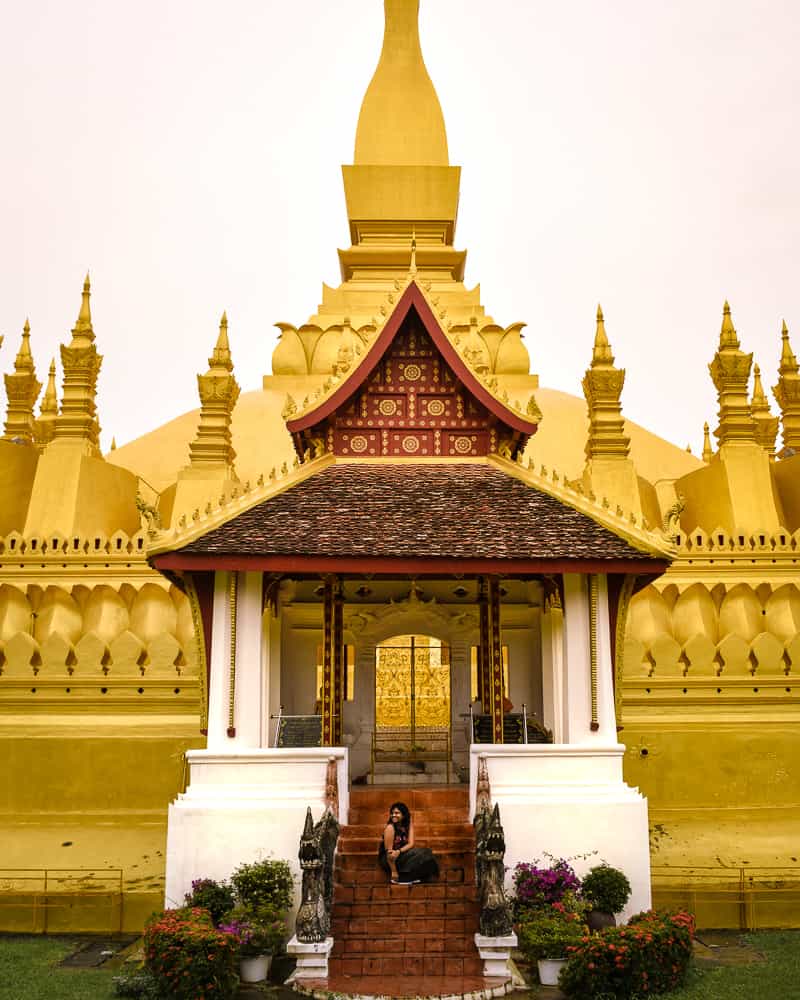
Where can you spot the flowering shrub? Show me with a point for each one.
(536, 886)
(651, 954)
(216, 897)
(549, 931)
(188, 958)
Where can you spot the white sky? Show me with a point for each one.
(645, 155)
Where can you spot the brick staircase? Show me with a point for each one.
(383, 930)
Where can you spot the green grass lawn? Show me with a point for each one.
(778, 978)
(29, 971)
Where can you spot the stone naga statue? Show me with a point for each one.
(317, 847)
(496, 919)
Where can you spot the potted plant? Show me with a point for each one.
(545, 935)
(607, 890)
(258, 937)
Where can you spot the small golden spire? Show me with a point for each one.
(759, 400)
(113, 444)
(787, 393)
(22, 391)
(50, 398)
(730, 373)
(708, 451)
(83, 326)
(211, 448)
(601, 355)
(788, 364)
(727, 333)
(412, 269)
(221, 355)
(602, 388)
(24, 359)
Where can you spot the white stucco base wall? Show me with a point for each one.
(245, 806)
(569, 800)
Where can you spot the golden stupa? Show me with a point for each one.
(101, 690)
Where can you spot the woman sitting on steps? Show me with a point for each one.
(397, 853)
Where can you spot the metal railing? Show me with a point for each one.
(44, 892)
(747, 897)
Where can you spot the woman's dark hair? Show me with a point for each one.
(404, 810)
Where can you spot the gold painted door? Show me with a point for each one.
(412, 686)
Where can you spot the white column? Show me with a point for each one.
(606, 714)
(270, 675)
(577, 686)
(248, 703)
(553, 671)
(220, 664)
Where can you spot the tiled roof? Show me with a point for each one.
(416, 511)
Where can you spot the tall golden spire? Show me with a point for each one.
(401, 121)
(730, 372)
(400, 185)
(602, 387)
(787, 393)
(22, 391)
(766, 424)
(81, 364)
(48, 412)
(212, 451)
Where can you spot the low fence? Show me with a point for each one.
(744, 897)
(57, 900)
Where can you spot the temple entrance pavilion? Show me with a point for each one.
(409, 512)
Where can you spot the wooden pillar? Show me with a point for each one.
(484, 643)
(328, 704)
(495, 661)
(339, 665)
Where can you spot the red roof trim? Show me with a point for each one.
(412, 296)
(399, 566)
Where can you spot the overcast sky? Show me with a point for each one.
(644, 155)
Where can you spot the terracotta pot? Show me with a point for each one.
(550, 969)
(254, 968)
(598, 919)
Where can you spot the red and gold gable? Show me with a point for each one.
(412, 405)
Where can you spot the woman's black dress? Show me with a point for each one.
(417, 864)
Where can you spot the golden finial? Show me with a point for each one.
(759, 400)
(727, 333)
(412, 269)
(221, 355)
(689, 448)
(24, 359)
(50, 398)
(788, 364)
(602, 349)
(113, 444)
(708, 452)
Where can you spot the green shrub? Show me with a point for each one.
(607, 888)
(549, 932)
(216, 897)
(651, 954)
(188, 958)
(264, 884)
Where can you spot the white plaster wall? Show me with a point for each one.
(241, 807)
(569, 800)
